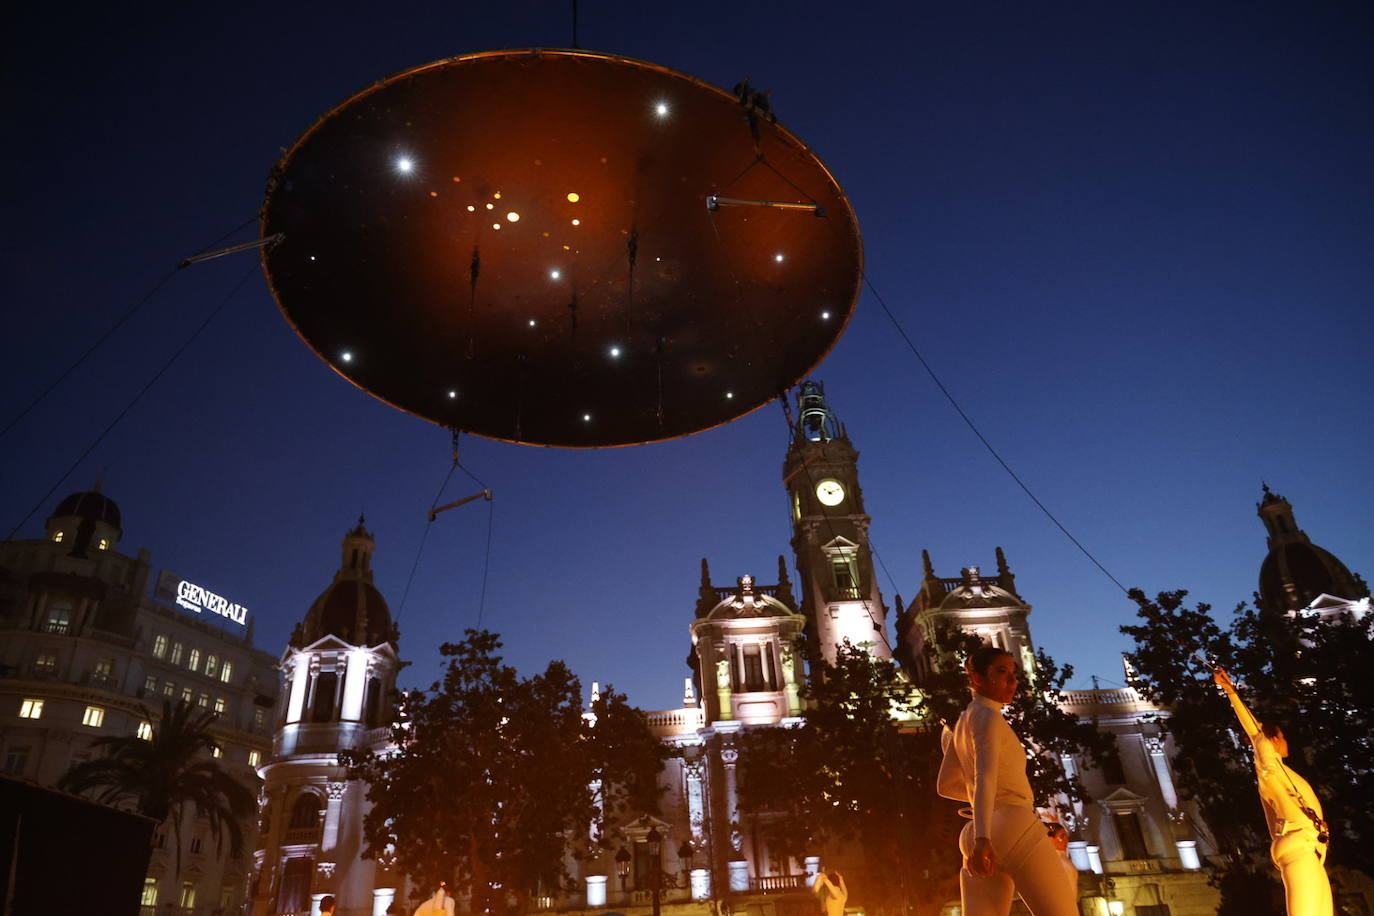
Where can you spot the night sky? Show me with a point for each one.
(1133, 239)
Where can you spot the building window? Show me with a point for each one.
(17, 760)
(216, 751)
(1129, 833)
(145, 730)
(188, 895)
(203, 701)
(103, 544)
(149, 895)
(45, 663)
(94, 716)
(846, 572)
(31, 708)
(325, 686)
(226, 897)
(226, 671)
(373, 703)
(753, 669)
(305, 813)
(159, 646)
(176, 653)
(219, 705)
(194, 661)
(59, 536)
(169, 689)
(103, 673)
(254, 758)
(259, 717)
(293, 894)
(1112, 770)
(187, 695)
(197, 844)
(211, 666)
(59, 619)
(150, 684)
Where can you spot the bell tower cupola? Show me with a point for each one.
(838, 590)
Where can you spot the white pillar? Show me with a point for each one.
(596, 890)
(696, 803)
(739, 876)
(382, 898)
(355, 683)
(1187, 854)
(1095, 860)
(331, 815)
(299, 678)
(1078, 855)
(701, 884)
(811, 865)
(1162, 774)
(315, 903)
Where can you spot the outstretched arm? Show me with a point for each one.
(1247, 719)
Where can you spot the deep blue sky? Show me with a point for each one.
(1134, 239)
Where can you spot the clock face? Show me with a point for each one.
(830, 492)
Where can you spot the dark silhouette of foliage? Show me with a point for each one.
(496, 776)
(1306, 675)
(168, 775)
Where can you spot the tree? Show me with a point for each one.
(1303, 673)
(495, 777)
(862, 767)
(859, 772)
(168, 775)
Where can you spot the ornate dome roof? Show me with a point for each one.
(351, 608)
(92, 505)
(979, 594)
(1296, 571)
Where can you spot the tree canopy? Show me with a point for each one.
(1307, 675)
(169, 774)
(861, 769)
(495, 777)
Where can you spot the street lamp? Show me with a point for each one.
(622, 866)
(655, 841)
(684, 858)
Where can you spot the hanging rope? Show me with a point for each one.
(983, 439)
(136, 398)
(110, 332)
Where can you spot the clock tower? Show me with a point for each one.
(839, 592)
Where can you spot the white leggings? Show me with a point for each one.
(1027, 864)
(1300, 859)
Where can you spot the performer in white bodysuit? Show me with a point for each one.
(831, 890)
(1006, 850)
(1292, 811)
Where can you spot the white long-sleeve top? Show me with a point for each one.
(988, 767)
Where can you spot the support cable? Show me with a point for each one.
(136, 398)
(110, 332)
(983, 439)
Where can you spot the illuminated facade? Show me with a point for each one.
(93, 645)
(338, 676)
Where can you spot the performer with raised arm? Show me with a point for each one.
(1005, 846)
(1300, 837)
(833, 893)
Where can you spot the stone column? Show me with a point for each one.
(355, 683)
(331, 815)
(596, 891)
(696, 801)
(299, 679)
(730, 757)
(723, 686)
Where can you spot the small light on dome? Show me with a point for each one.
(554, 274)
(778, 257)
(346, 356)
(586, 418)
(471, 208)
(615, 351)
(531, 322)
(729, 395)
(453, 394)
(496, 225)
(491, 206)
(577, 222)
(513, 217)
(573, 197)
(661, 109)
(496, 196)
(405, 165)
(312, 257)
(825, 316)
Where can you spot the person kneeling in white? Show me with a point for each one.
(1005, 847)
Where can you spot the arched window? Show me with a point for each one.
(305, 814)
(326, 686)
(372, 705)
